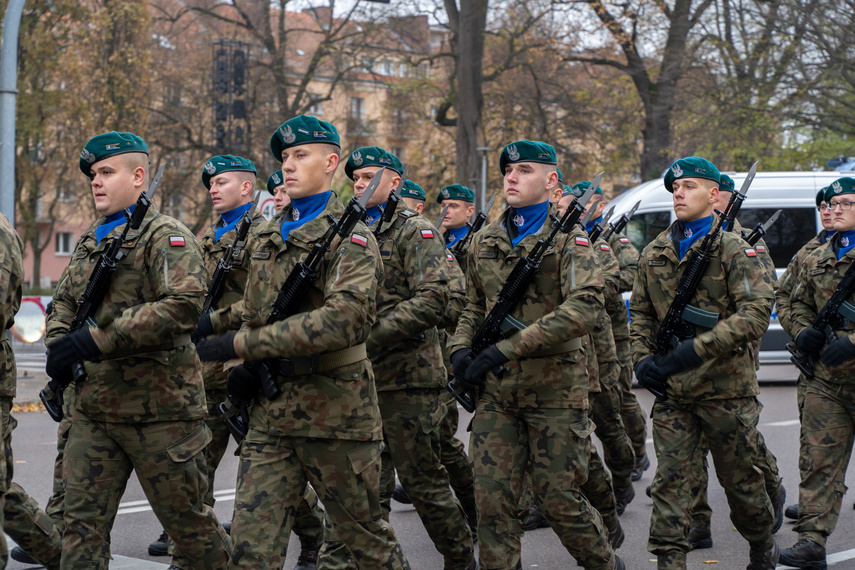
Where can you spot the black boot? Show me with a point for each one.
(18, 554)
(642, 464)
(401, 495)
(778, 506)
(760, 558)
(792, 512)
(308, 559)
(623, 497)
(616, 536)
(159, 546)
(804, 554)
(699, 538)
(535, 518)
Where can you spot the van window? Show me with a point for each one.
(794, 228)
(643, 228)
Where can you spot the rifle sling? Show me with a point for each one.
(304, 365)
(126, 352)
(568, 346)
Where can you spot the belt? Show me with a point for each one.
(568, 346)
(303, 365)
(124, 353)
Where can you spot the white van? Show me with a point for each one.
(792, 192)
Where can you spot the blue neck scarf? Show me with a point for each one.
(590, 225)
(373, 214)
(304, 210)
(456, 235)
(231, 218)
(847, 242)
(827, 235)
(526, 220)
(693, 231)
(113, 221)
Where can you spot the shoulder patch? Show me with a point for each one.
(427, 234)
(176, 241)
(656, 262)
(582, 241)
(359, 240)
(624, 240)
(750, 253)
(449, 256)
(604, 247)
(760, 249)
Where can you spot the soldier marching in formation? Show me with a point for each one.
(335, 383)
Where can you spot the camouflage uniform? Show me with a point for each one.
(141, 407)
(325, 427)
(828, 401)
(535, 417)
(407, 359)
(634, 418)
(716, 401)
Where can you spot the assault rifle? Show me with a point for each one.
(295, 289)
(438, 223)
(730, 216)
(618, 226)
(93, 296)
(475, 225)
(392, 202)
(679, 323)
(224, 265)
(498, 324)
(760, 229)
(597, 230)
(833, 315)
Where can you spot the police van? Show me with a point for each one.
(792, 192)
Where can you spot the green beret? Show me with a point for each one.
(567, 191)
(413, 190)
(274, 181)
(109, 144)
(527, 151)
(560, 176)
(691, 167)
(225, 163)
(727, 184)
(302, 129)
(372, 156)
(820, 196)
(844, 185)
(581, 187)
(456, 192)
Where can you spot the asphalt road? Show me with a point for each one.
(136, 525)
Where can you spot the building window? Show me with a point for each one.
(316, 107)
(64, 243)
(357, 108)
(399, 152)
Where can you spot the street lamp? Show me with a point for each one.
(483, 150)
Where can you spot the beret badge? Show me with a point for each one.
(276, 179)
(287, 134)
(513, 154)
(357, 158)
(838, 188)
(677, 170)
(87, 156)
(210, 168)
(445, 193)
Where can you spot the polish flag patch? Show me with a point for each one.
(604, 247)
(582, 241)
(359, 240)
(176, 241)
(427, 234)
(450, 257)
(624, 240)
(750, 253)
(760, 249)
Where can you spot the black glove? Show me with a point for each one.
(810, 340)
(838, 352)
(218, 348)
(476, 373)
(651, 378)
(71, 348)
(242, 384)
(460, 361)
(680, 359)
(203, 328)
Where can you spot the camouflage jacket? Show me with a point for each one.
(816, 282)
(149, 370)
(411, 302)
(560, 305)
(762, 253)
(11, 291)
(225, 314)
(337, 313)
(735, 285)
(602, 336)
(790, 277)
(627, 257)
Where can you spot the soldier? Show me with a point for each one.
(413, 196)
(827, 408)
(407, 359)
(786, 284)
(324, 429)
(459, 202)
(276, 186)
(142, 405)
(700, 535)
(533, 417)
(707, 386)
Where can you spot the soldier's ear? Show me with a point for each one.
(713, 194)
(332, 162)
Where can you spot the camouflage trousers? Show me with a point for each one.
(617, 447)
(272, 479)
(552, 445)
(453, 455)
(729, 427)
(634, 418)
(168, 458)
(766, 462)
(825, 443)
(23, 520)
